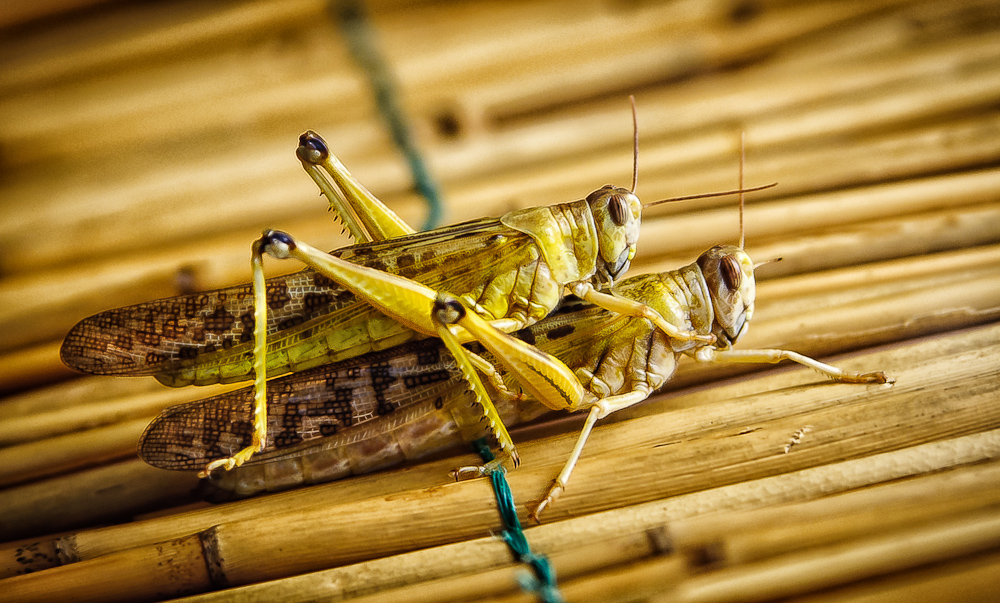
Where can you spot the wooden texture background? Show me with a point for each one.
(144, 145)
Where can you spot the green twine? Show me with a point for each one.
(543, 582)
(361, 40)
(363, 45)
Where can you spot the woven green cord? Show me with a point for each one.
(363, 45)
(543, 583)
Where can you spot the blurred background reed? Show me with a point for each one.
(143, 145)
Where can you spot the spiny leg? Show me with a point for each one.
(448, 311)
(547, 378)
(366, 218)
(408, 302)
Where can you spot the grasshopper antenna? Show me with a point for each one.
(739, 190)
(752, 189)
(635, 144)
(743, 156)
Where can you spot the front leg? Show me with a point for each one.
(773, 356)
(629, 307)
(444, 315)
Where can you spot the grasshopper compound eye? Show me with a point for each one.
(732, 275)
(618, 209)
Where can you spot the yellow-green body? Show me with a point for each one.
(610, 354)
(517, 271)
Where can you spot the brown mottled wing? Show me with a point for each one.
(142, 339)
(167, 336)
(303, 406)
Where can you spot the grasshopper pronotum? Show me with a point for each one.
(325, 426)
(511, 270)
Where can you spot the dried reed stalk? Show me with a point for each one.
(616, 474)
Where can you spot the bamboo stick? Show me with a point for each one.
(917, 361)
(634, 582)
(885, 306)
(632, 548)
(265, 100)
(782, 294)
(572, 534)
(33, 366)
(89, 497)
(826, 158)
(28, 556)
(861, 243)
(61, 396)
(738, 538)
(683, 235)
(463, 501)
(17, 13)
(970, 579)
(153, 575)
(65, 453)
(579, 534)
(97, 52)
(872, 159)
(707, 47)
(146, 400)
(829, 114)
(706, 103)
(816, 569)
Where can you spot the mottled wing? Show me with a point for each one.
(318, 403)
(207, 337)
(145, 338)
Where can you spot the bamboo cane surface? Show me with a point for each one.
(140, 161)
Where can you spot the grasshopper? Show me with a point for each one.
(511, 270)
(590, 359)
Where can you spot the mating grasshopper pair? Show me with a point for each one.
(540, 253)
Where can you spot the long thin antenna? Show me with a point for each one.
(635, 144)
(752, 189)
(743, 155)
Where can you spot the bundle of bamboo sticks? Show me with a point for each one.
(141, 161)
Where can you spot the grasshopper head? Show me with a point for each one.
(728, 272)
(617, 213)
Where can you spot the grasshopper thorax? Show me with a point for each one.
(728, 273)
(617, 214)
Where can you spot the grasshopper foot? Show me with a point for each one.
(872, 377)
(474, 471)
(554, 491)
(231, 462)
